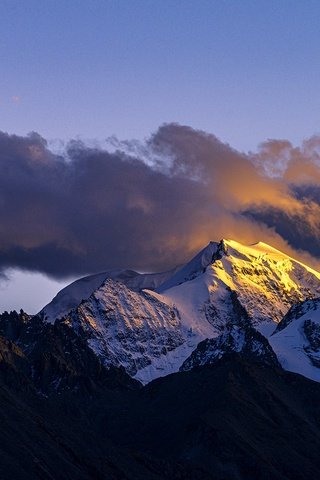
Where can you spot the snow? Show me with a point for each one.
(152, 332)
(292, 347)
(167, 364)
(126, 328)
(193, 268)
(257, 272)
(72, 295)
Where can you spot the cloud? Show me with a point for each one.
(151, 206)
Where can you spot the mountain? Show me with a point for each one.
(151, 324)
(266, 280)
(235, 420)
(80, 397)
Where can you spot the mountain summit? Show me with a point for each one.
(151, 324)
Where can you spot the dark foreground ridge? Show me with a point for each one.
(236, 420)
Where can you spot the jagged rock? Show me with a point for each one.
(53, 358)
(245, 340)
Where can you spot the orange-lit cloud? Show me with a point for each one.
(152, 206)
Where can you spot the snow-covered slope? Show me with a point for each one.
(70, 296)
(126, 328)
(238, 336)
(151, 332)
(296, 340)
(213, 251)
(267, 282)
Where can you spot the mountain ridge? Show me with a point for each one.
(118, 320)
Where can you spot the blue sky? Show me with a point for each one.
(243, 70)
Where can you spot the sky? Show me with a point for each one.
(201, 94)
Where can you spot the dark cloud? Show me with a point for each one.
(294, 228)
(149, 207)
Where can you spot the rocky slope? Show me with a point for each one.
(49, 359)
(247, 341)
(234, 420)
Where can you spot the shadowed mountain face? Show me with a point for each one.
(52, 359)
(232, 421)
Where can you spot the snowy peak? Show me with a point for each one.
(72, 295)
(151, 323)
(267, 283)
(253, 250)
(213, 251)
(261, 272)
(261, 252)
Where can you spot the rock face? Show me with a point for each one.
(238, 336)
(150, 324)
(245, 340)
(48, 359)
(126, 328)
